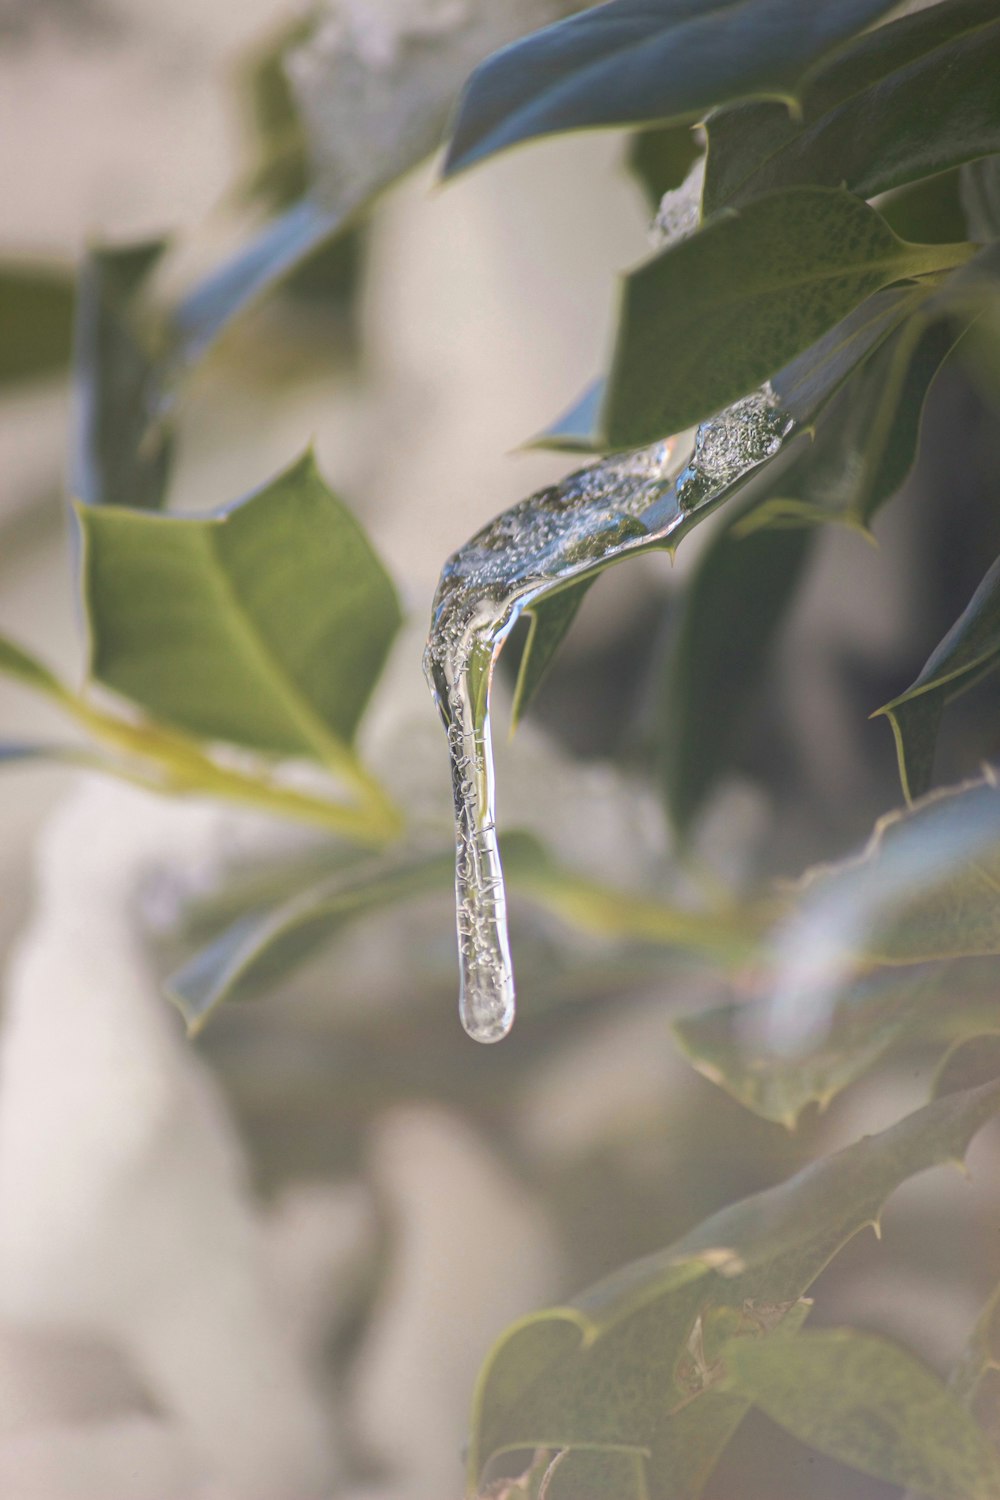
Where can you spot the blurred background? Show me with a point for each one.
(267, 1265)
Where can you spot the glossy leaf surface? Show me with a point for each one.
(645, 61)
(905, 101)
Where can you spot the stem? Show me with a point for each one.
(185, 768)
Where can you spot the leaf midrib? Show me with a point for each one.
(332, 748)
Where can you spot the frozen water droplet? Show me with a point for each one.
(553, 538)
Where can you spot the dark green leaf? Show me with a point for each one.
(866, 441)
(709, 319)
(36, 321)
(870, 1404)
(122, 441)
(266, 942)
(903, 102)
(803, 386)
(633, 1363)
(266, 624)
(969, 652)
(980, 191)
(731, 613)
(550, 620)
(635, 62)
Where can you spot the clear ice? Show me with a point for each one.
(555, 537)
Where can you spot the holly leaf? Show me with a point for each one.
(870, 1404)
(693, 336)
(969, 652)
(633, 1365)
(735, 1047)
(266, 624)
(634, 62)
(924, 888)
(902, 102)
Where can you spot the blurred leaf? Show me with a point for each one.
(122, 440)
(903, 102)
(550, 620)
(969, 1062)
(266, 942)
(924, 888)
(20, 664)
(870, 1404)
(732, 1045)
(969, 652)
(974, 1377)
(731, 613)
(980, 191)
(266, 624)
(694, 336)
(660, 159)
(364, 125)
(632, 62)
(632, 1364)
(36, 321)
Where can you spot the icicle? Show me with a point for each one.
(553, 538)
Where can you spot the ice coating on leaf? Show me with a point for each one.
(563, 533)
(725, 446)
(679, 213)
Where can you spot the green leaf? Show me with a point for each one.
(969, 652)
(266, 624)
(903, 102)
(924, 888)
(732, 1046)
(122, 442)
(711, 318)
(870, 1404)
(550, 620)
(731, 613)
(18, 663)
(865, 441)
(263, 943)
(36, 321)
(633, 1363)
(635, 62)
(980, 192)
(974, 1378)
